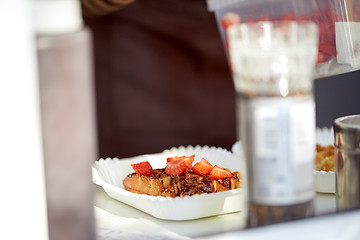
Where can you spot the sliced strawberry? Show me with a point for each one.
(179, 167)
(203, 167)
(142, 168)
(229, 19)
(172, 159)
(219, 173)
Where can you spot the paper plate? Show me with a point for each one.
(109, 173)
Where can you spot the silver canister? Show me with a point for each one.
(347, 162)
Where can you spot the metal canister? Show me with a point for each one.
(347, 162)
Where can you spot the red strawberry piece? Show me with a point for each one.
(219, 173)
(142, 168)
(172, 159)
(203, 167)
(229, 19)
(179, 167)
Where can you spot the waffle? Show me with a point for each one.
(161, 184)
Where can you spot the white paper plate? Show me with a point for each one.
(109, 173)
(324, 181)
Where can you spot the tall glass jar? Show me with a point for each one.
(272, 64)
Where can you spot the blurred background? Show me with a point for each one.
(163, 80)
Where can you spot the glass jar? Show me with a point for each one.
(272, 64)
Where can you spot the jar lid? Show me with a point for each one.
(347, 132)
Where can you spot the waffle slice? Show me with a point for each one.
(159, 183)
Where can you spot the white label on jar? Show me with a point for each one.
(284, 149)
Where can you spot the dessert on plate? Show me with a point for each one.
(180, 178)
(325, 158)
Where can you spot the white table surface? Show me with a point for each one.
(324, 204)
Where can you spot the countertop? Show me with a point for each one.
(115, 210)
